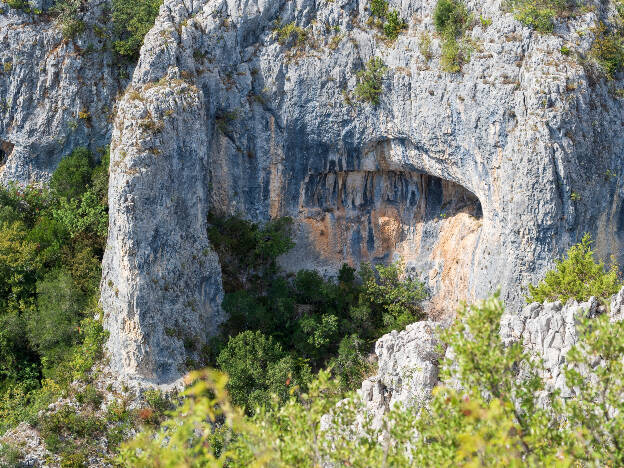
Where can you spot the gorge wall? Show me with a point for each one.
(477, 179)
(55, 94)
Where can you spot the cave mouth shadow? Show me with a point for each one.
(416, 195)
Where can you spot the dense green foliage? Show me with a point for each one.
(132, 19)
(370, 81)
(283, 328)
(498, 418)
(451, 18)
(258, 368)
(578, 276)
(608, 49)
(49, 281)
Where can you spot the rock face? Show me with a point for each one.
(55, 94)
(161, 287)
(478, 179)
(408, 360)
(550, 330)
(408, 369)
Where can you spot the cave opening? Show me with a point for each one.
(374, 212)
(430, 223)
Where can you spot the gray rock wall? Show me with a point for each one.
(522, 129)
(161, 284)
(407, 369)
(55, 94)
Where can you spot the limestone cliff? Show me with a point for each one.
(478, 179)
(55, 94)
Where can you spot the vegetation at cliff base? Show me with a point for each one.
(51, 245)
(283, 328)
(490, 409)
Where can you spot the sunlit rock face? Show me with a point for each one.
(478, 179)
(55, 94)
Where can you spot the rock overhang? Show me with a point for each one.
(275, 126)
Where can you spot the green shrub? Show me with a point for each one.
(258, 368)
(247, 250)
(90, 397)
(72, 175)
(68, 12)
(451, 19)
(541, 14)
(159, 405)
(10, 455)
(608, 50)
(424, 46)
(394, 25)
(370, 81)
(540, 19)
(394, 297)
(451, 58)
(389, 21)
(132, 20)
(578, 277)
(65, 430)
(350, 366)
(379, 8)
(52, 325)
(73, 28)
(86, 215)
(291, 32)
(19, 4)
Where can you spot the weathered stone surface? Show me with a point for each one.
(55, 94)
(468, 176)
(550, 330)
(161, 287)
(408, 369)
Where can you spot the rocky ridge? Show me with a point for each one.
(408, 360)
